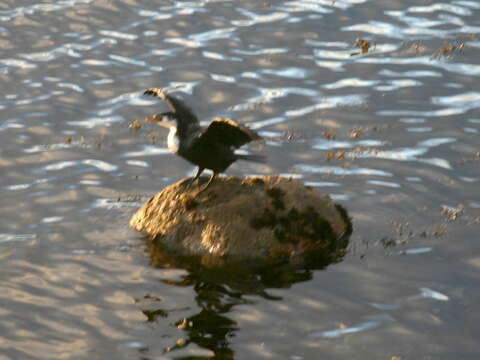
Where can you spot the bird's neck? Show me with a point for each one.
(172, 140)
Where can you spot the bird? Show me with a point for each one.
(211, 147)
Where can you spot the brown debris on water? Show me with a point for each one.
(70, 140)
(363, 45)
(449, 49)
(135, 125)
(453, 213)
(439, 232)
(293, 135)
(416, 48)
(339, 155)
(329, 134)
(356, 133)
(471, 158)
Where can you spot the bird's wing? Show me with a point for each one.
(177, 106)
(228, 132)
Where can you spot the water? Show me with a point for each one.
(391, 134)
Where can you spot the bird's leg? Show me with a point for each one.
(197, 175)
(208, 183)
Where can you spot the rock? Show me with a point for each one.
(263, 218)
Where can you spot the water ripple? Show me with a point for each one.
(201, 39)
(139, 163)
(259, 124)
(225, 33)
(132, 98)
(258, 19)
(411, 153)
(49, 147)
(328, 102)
(16, 187)
(384, 183)
(426, 293)
(410, 73)
(70, 86)
(419, 113)
(218, 56)
(268, 95)
(436, 142)
(338, 170)
(348, 330)
(321, 7)
(292, 72)
(17, 63)
(184, 42)
(417, 27)
(11, 124)
(147, 150)
(127, 60)
(154, 14)
(16, 237)
(416, 251)
(465, 102)
(351, 82)
(263, 51)
(92, 122)
(324, 144)
(458, 10)
(99, 164)
(119, 35)
(6, 15)
(223, 78)
(95, 62)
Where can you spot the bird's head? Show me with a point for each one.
(166, 119)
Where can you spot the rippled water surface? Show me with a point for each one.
(390, 131)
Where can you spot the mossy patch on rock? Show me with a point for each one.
(263, 218)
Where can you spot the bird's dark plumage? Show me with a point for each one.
(212, 147)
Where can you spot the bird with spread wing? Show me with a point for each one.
(212, 147)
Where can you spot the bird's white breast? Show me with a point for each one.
(172, 140)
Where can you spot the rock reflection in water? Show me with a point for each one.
(220, 288)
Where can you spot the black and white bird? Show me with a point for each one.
(212, 147)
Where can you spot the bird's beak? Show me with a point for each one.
(157, 118)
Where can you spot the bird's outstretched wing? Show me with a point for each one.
(181, 110)
(228, 132)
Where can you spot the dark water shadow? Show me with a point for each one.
(219, 289)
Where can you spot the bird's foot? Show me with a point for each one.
(205, 187)
(187, 182)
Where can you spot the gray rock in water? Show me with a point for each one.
(262, 218)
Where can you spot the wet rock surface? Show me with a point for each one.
(267, 218)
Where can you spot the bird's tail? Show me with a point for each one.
(252, 157)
